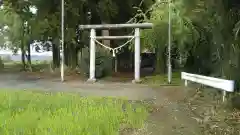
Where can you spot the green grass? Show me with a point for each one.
(33, 113)
(163, 79)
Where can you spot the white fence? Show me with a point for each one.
(225, 85)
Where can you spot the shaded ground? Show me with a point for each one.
(169, 116)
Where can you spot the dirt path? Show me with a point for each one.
(171, 118)
(113, 89)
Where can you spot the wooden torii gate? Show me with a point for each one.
(136, 37)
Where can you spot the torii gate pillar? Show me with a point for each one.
(92, 68)
(137, 56)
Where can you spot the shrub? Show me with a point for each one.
(103, 62)
(1, 63)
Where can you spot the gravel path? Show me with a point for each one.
(113, 89)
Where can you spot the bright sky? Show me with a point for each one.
(33, 9)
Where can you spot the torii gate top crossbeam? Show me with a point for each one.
(117, 26)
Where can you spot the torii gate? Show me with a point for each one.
(136, 37)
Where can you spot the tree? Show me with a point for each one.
(19, 19)
(183, 31)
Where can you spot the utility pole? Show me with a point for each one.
(62, 44)
(169, 43)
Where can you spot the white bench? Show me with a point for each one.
(225, 85)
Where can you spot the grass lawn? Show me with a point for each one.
(36, 113)
(162, 79)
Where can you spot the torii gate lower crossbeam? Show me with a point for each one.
(137, 47)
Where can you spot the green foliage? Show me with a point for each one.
(182, 29)
(103, 62)
(1, 64)
(107, 9)
(25, 112)
(163, 79)
(184, 34)
(12, 20)
(201, 33)
(20, 21)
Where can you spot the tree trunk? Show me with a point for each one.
(65, 55)
(23, 48)
(74, 51)
(55, 56)
(108, 43)
(189, 66)
(160, 66)
(80, 58)
(23, 55)
(106, 33)
(70, 55)
(29, 57)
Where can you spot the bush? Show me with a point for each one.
(103, 62)
(1, 63)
